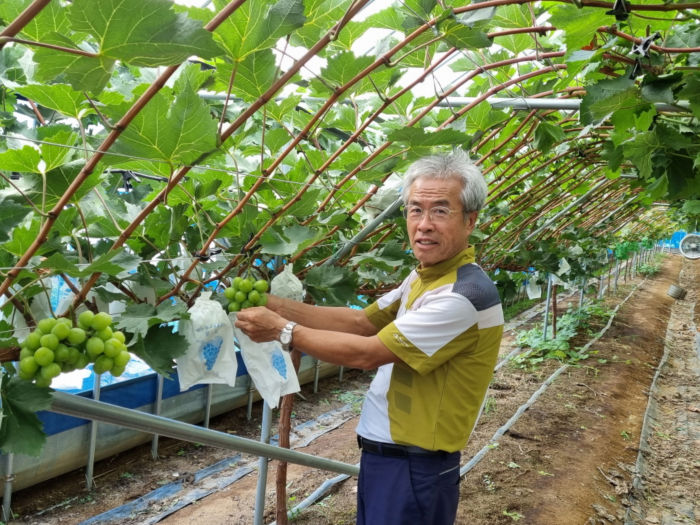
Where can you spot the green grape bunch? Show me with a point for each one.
(245, 292)
(57, 345)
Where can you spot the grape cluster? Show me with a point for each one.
(245, 292)
(58, 346)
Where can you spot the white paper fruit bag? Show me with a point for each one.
(211, 354)
(269, 367)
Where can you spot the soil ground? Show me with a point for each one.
(573, 457)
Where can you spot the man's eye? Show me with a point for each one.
(415, 211)
(441, 212)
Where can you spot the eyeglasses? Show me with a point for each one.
(436, 213)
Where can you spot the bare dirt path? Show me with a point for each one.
(569, 459)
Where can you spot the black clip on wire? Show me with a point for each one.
(205, 257)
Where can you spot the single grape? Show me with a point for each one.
(246, 285)
(33, 340)
(28, 366)
(261, 286)
(26, 376)
(254, 297)
(263, 299)
(101, 321)
(43, 356)
(45, 325)
(119, 335)
(42, 382)
(49, 341)
(74, 355)
(246, 304)
(113, 347)
(105, 333)
(122, 358)
(76, 336)
(103, 364)
(116, 371)
(236, 284)
(240, 296)
(25, 352)
(62, 354)
(82, 361)
(229, 293)
(94, 347)
(234, 307)
(61, 330)
(85, 319)
(50, 371)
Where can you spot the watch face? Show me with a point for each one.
(285, 338)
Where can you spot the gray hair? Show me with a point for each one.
(453, 165)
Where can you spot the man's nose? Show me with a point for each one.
(425, 221)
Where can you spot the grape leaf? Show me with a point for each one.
(51, 18)
(321, 14)
(258, 25)
(175, 132)
(112, 263)
(60, 264)
(7, 340)
(578, 25)
(462, 36)
(139, 318)
(59, 97)
(418, 137)
(142, 32)
(21, 431)
(25, 160)
(12, 215)
(276, 243)
(546, 135)
(253, 75)
(159, 348)
(81, 72)
(332, 285)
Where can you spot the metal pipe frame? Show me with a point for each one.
(78, 406)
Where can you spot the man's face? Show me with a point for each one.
(436, 239)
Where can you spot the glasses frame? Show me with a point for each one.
(431, 213)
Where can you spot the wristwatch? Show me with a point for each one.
(285, 336)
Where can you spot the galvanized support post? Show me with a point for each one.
(207, 405)
(90, 469)
(317, 373)
(7, 495)
(617, 273)
(600, 286)
(581, 293)
(251, 391)
(262, 467)
(157, 406)
(546, 307)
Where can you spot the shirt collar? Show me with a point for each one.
(466, 256)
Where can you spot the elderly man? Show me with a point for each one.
(434, 339)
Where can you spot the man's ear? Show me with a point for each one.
(470, 219)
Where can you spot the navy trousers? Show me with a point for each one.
(410, 490)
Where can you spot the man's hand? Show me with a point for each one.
(260, 324)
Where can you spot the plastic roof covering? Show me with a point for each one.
(426, 82)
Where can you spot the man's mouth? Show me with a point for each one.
(425, 242)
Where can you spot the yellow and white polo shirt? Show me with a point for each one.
(445, 323)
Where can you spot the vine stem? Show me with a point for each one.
(70, 50)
